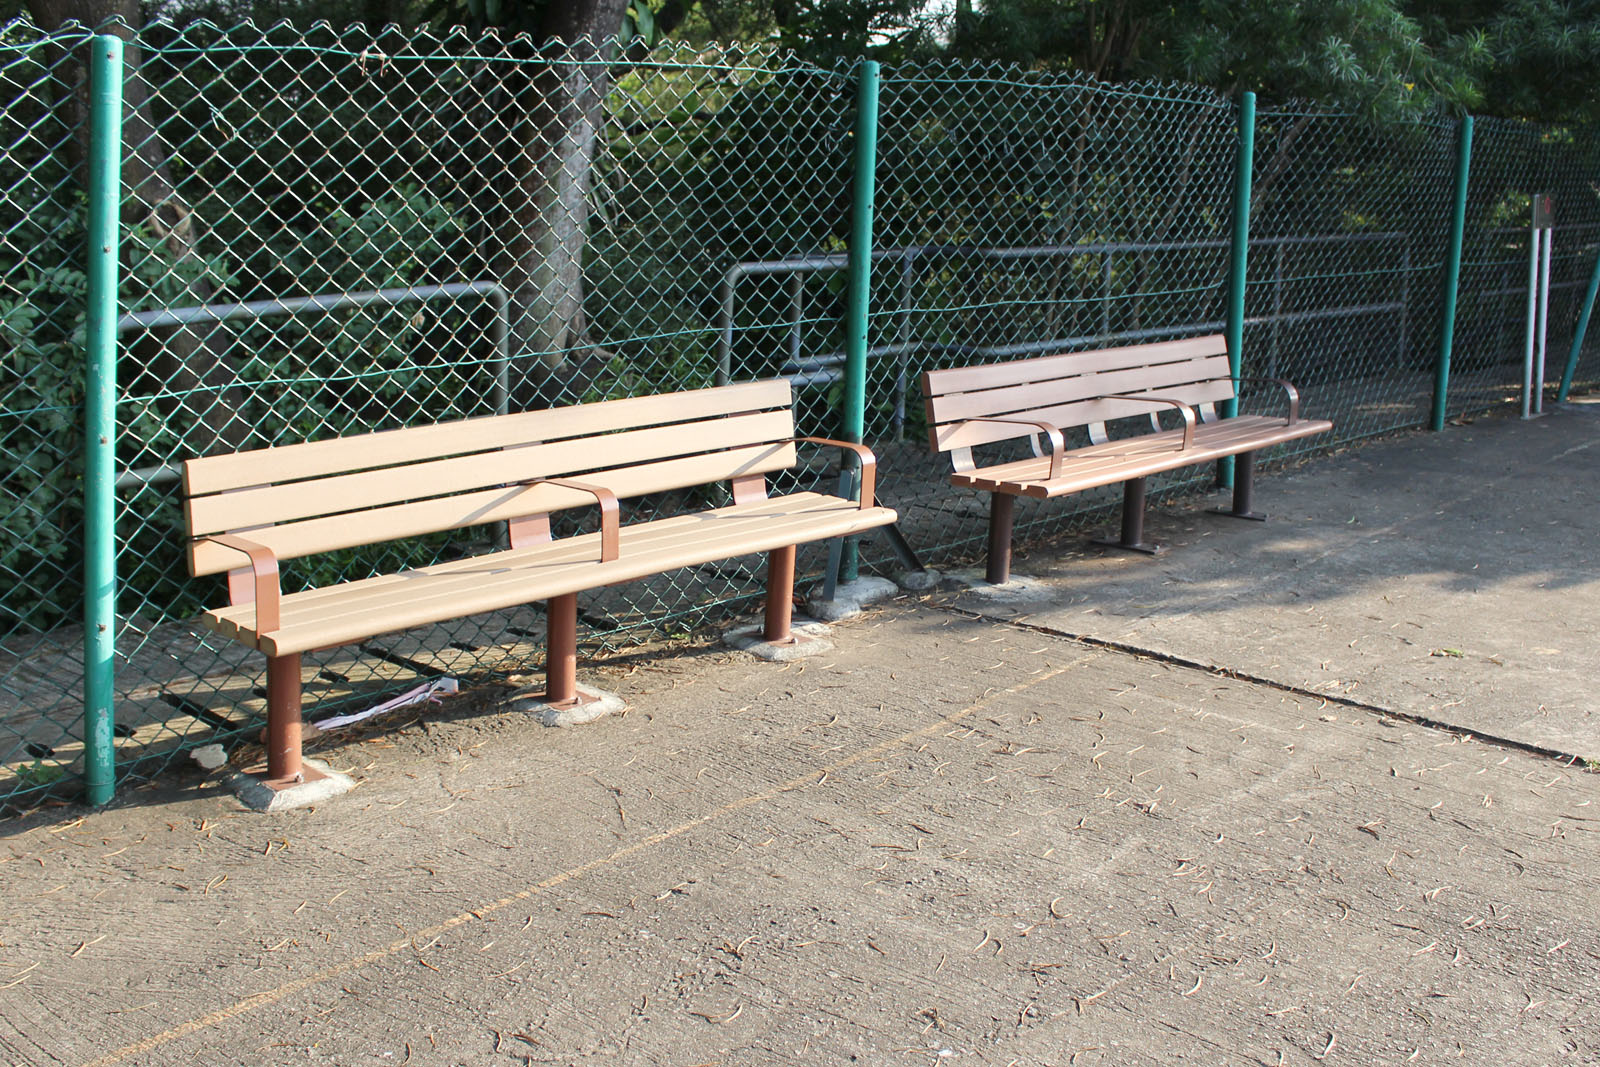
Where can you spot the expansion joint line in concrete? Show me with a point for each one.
(1570, 759)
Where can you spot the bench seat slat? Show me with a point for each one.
(341, 614)
(586, 459)
(316, 459)
(310, 536)
(1137, 457)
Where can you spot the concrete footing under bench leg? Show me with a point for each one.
(591, 704)
(321, 783)
(1019, 587)
(806, 639)
(849, 598)
(923, 581)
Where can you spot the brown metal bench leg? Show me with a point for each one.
(1244, 485)
(561, 656)
(561, 650)
(283, 721)
(1002, 512)
(777, 625)
(1132, 539)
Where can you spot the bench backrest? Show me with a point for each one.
(307, 498)
(1063, 389)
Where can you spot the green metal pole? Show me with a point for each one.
(1452, 274)
(859, 297)
(1583, 328)
(100, 417)
(1239, 261)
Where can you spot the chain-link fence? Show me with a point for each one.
(42, 289)
(328, 232)
(1022, 213)
(1348, 233)
(1511, 163)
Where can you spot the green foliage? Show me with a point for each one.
(822, 31)
(975, 159)
(707, 171)
(42, 289)
(1537, 59)
(829, 31)
(303, 377)
(1365, 55)
(639, 25)
(317, 376)
(1391, 60)
(39, 774)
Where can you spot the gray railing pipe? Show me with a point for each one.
(499, 334)
(816, 263)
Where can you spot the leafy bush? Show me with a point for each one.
(42, 289)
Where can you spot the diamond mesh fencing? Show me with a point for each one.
(480, 227)
(1348, 233)
(1511, 163)
(330, 232)
(42, 287)
(1025, 213)
(334, 232)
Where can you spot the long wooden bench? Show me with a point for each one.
(248, 511)
(1039, 398)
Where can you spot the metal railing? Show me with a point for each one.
(325, 303)
(1018, 212)
(826, 369)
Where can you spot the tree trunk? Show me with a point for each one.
(190, 363)
(555, 178)
(562, 104)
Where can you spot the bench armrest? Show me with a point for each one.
(264, 567)
(869, 463)
(1183, 409)
(1051, 434)
(610, 537)
(1293, 393)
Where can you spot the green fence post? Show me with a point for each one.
(859, 299)
(1452, 274)
(100, 417)
(1583, 328)
(1238, 261)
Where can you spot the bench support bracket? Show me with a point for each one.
(1244, 478)
(1132, 539)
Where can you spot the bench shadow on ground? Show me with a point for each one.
(473, 716)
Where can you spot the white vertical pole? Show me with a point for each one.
(1533, 306)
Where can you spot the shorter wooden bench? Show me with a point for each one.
(247, 511)
(1038, 398)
